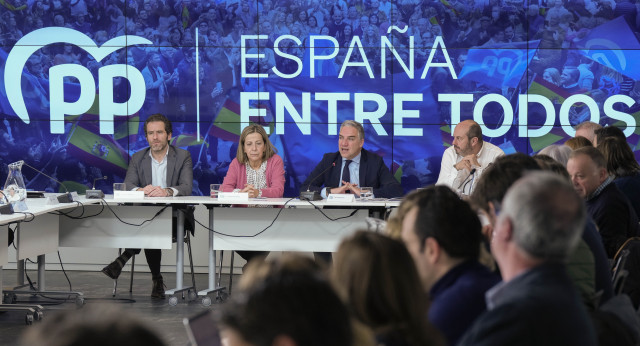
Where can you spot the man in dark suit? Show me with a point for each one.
(352, 167)
(161, 170)
(536, 304)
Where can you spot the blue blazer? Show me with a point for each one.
(373, 172)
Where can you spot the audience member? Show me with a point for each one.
(443, 236)
(608, 131)
(99, 325)
(578, 142)
(547, 163)
(589, 271)
(560, 153)
(379, 281)
(536, 304)
(285, 302)
(623, 167)
(609, 208)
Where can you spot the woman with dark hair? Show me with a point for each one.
(379, 281)
(622, 165)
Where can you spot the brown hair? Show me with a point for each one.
(620, 159)
(379, 280)
(269, 149)
(158, 117)
(578, 142)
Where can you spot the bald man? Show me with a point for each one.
(467, 152)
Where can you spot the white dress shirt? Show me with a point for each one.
(459, 180)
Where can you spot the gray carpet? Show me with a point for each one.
(97, 288)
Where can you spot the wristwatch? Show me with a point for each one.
(169, 191)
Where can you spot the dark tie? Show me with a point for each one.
(346, 175)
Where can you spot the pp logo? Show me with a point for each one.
(37, 39)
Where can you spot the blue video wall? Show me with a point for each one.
(79, 77)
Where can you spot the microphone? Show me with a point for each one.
(315, 195)
(64, 198)
(93, 193)
(466, 180)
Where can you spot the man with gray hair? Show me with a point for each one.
(351, 167)
(536, 304)
(587, 130)
(607, 205)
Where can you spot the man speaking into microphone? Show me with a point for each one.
(351, 167)
(465, 160)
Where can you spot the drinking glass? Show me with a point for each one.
(215, 188)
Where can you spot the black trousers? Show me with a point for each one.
(154, 256)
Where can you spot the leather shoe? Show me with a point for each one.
(157, 291)
(113, 270)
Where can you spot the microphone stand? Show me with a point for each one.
(64, 198)
(93, 193)
(315, 195)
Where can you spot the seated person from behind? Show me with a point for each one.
(443, 235)
(536, 303)
(257, 170)
(468, 151)
(161, 170)
(378, 279)
(285, 301)
(351, 167)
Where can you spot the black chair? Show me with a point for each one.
(626, 273)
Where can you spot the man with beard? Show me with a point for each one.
(466, 159)
(160, 170)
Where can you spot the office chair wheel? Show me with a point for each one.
(173, 301)
(206, 301)
(222, 296)
(79, 302)
(38, 315)
(192, 295)
(28, 319)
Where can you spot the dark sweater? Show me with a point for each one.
(615, 217)
(457, 299)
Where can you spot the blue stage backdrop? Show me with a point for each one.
(80, 77)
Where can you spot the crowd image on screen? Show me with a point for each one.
(169, 63)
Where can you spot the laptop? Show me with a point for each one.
(202, 329)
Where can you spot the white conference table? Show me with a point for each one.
(37, 234)
(299, 227)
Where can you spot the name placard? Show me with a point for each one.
(127, 195)
(341, 198)
(51, 200)
(233, 197)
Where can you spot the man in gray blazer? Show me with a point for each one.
(160, 170)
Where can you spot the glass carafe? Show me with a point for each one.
(15, 192)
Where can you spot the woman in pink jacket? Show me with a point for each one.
(257, 169)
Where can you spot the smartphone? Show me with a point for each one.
(219, 85)
(202, 329)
